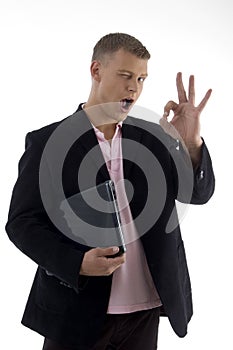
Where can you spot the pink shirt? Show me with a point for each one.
(132, 286)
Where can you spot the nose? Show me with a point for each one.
(133, 86)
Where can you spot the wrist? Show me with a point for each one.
(194, 149)
(194, 144)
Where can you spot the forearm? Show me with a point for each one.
(46, 247)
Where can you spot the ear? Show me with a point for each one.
(95, 70)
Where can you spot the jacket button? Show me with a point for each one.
(201, 175)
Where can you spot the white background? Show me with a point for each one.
(46, 48)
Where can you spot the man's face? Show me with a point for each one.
(120, 79)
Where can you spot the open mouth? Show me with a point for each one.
(126, 104)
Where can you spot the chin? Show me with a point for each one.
(108, 113)
(113, 111)
(120, 117)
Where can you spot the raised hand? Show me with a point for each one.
(186, 118)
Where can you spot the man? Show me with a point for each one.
(90, 297)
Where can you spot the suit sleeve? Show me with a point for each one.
(195, 186)
(204, 180)
(30, 228)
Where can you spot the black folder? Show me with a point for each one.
(93, 217)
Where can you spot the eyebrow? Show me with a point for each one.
(132, 73)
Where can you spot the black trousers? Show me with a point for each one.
(133, 331)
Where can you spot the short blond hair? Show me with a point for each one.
(113, 42)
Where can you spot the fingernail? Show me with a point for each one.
(115, 249)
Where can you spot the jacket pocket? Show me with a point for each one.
(52, 294)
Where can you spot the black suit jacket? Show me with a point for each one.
(71, 308)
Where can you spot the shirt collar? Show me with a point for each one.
(118, 125)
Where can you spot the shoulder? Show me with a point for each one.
(42, 134)
(145, 125)
(149, 130)
(46, 129)
(65, 125)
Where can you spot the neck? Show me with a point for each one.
(102, 122)
(108, 130)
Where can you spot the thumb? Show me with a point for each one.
(107, 251)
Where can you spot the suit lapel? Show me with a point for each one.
(88, 140)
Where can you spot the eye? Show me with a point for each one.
(141, 79)
(126, 76)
